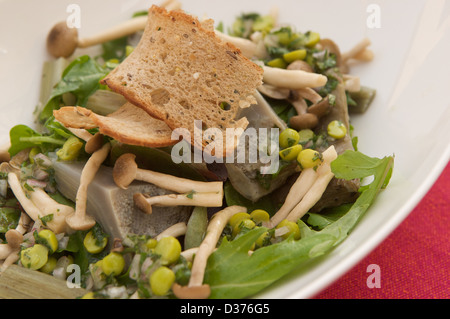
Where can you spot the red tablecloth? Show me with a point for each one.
(414, 260)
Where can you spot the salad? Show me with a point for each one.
(86, 203)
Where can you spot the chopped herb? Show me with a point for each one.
(46, 219)
(329, 87)
(190, 195)
(28, 187)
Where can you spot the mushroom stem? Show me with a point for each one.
(189, 254)
(324, 176)
(38, 204)
(352, 83)
(175, 230)
(62, 40)
(300, 106)
(306, 191)
(121, 30)
(79, 220)
(309, 94)
(48, 206)
(29, 207)
(195, 288)
(126, 170)
(298, 190)
(356, 50)
(144, 202)
(9, 252)
(292, 79)
(247, 47)
(24, 223)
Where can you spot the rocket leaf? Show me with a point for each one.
(270, 263)
(262, 268)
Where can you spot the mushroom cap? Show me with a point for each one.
(321, 108)
(124, 171)
(94, 143)
(141, 202)
(62, 40)
(13, 238)
(191, 292)
(300, 65)
(304, 121)
(77, 222)
(274, 92)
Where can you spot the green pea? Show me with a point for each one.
(277, 63)
(259, 216)
(309, 158)
(306, 135)
(292, 229)
(337, 129)
(245, 223)
(237, 218)
(312, 39)
(289, 137)
(291, 153)
(169, 248)
(113, 264)
(92, 244)
(50, 239)
(49, 266)
(34, 257)
(294, 55)
(161, 280)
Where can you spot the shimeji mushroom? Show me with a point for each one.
(126, 171)
(292, 79)
(49, 207)
(274, 92)
(308, 117)
(195, 289)
(38, 204)
(282, 78)
(9, 252)
(145, 201)
(79, 220)
(359, 52)
(62, 40)
(306, 191)
(192, 193)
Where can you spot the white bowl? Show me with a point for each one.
(409, 118)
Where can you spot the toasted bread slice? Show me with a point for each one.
(129, 124)
(181, 72)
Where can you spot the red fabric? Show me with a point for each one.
(414, 260)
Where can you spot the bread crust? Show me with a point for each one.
(181, 72)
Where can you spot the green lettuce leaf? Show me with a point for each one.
(81, 78)
(9, 214)
(262, 268)
(270, 263)
(22, 137)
